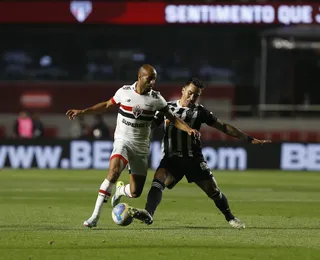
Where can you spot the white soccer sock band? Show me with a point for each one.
(104, 193)
(103, 196)
(106, 188)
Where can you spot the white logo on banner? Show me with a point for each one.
(81, 10)
(236, 14)
(85, 154)
(295, 156)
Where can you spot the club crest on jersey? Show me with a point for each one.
(81, 10)
(137, 111)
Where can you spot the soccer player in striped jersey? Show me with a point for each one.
(183, 155)
(138, 105)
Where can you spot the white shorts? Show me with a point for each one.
(138, 163)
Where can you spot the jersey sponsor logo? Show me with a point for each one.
(134, 124)
(190, 113)
(81, 10)
(137, 111)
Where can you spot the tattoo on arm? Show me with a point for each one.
(230, 130)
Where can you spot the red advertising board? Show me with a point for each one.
(57, 97)
(156, 13)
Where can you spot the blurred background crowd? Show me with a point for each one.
(263, 77)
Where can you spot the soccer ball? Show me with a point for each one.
(120, 215)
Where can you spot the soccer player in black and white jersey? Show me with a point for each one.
(183, 155)
(138, 104)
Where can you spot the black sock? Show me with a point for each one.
(222, 204)
(154, 196)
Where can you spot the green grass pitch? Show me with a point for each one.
(42, 211)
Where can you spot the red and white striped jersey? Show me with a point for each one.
(135, 115)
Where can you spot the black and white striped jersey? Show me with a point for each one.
(177, 142)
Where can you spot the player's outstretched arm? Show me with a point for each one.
(96, 109)
(235, 132)
(180, 124)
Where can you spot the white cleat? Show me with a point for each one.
(237, 223)
(91, 222)
(115, 200)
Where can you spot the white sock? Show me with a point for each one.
(103, 196)
(125, 191)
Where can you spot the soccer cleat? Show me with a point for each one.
(115, 200)
(141, 214)
(237, 223)
(91, 222)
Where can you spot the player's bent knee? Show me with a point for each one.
(170, 185)
(160, 175)
(170, 181)
(136, 193)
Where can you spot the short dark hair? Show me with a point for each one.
(195, 81)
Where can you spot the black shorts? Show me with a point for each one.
(195, 169)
